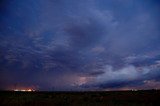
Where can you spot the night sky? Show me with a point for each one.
(80, 44)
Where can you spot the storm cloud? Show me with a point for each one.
(79, 45)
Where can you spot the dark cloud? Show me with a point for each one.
(85, 35)
(83, 44)
(128, 76)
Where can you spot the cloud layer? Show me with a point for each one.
(87, 44)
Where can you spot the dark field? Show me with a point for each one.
(114, 98)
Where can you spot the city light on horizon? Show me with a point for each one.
(24, 90)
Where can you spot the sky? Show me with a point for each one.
(80, 44)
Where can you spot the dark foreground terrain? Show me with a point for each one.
(114, 98)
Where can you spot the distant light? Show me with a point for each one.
(16, 90)
(29, 90)
(134, 89)
(24, 90)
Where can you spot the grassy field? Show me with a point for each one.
(114, 98)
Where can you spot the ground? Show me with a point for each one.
(95, 98)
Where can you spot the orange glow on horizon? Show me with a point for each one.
(24, 90)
